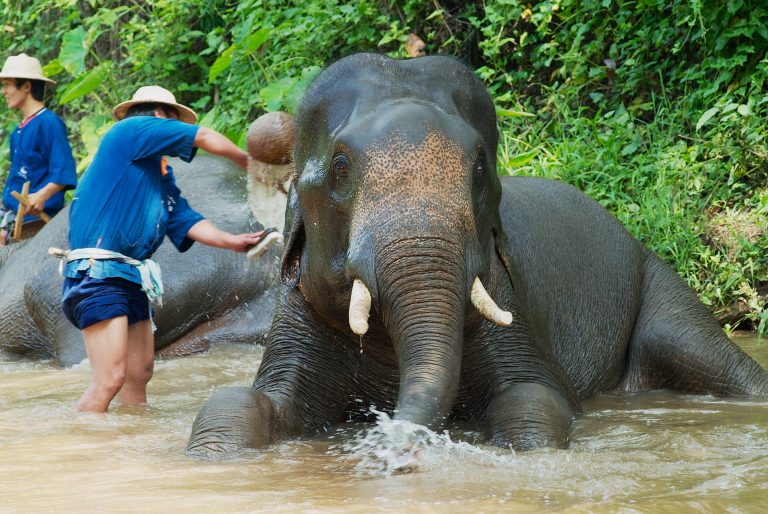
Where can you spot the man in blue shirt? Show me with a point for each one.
(125, 204)
(40, 151)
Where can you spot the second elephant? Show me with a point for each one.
(211, 296)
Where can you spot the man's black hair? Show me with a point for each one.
(148, 109)
(37, 87)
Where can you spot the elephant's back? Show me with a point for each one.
(204, 282)
(29, 284)
(216, 188)
(580, 275)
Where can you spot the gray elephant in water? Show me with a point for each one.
(211, 295)
(415, 280)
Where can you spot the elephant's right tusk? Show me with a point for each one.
(359, 307)
(487, 307)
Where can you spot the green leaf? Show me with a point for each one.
(53, 68)
(521, 159)
(387, 38)
(293, 93)
(221, 64)
(273, 95)
(208, 119)
(257, 39)
(87, 83)
(435, 13)
(242, 140)
(629, 149)
(509, 113)
(744, 110)
(706, 117)
(92, 128)
(73, 51)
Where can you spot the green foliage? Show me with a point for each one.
(655, 108)
(699, 201)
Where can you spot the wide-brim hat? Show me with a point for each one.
(155, 95)
(23, 66)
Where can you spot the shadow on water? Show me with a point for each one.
(650, 452)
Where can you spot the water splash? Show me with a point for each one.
(395, 447)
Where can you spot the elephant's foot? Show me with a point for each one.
(528, 416)
(232, 419)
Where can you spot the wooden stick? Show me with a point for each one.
(20, 213)
(25, 201)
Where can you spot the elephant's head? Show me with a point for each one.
(394, 207)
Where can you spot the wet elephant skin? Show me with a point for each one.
(397, 188)
(211, 295)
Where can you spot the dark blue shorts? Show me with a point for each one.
(86, 301)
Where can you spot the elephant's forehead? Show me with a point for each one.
(433, 175)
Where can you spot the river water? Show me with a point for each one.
(654, 452)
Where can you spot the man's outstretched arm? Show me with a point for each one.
(206, 232)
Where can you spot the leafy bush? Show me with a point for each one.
(655, 108)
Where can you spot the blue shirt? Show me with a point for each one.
(40, 154)
(127, 200)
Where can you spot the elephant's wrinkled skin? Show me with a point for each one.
(211, 295)
(397, 187)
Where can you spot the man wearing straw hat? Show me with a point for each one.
(40, 151)
(124, 206)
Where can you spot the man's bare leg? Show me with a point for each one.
(3, 237)
(141, 359)
(106, 343)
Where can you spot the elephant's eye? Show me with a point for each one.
(340, 165)
(480, 165)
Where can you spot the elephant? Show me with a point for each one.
(211, 295)
(416, 280)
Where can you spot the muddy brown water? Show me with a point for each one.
(650, 452)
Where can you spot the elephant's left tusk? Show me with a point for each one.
(359, 307)
(487, 307)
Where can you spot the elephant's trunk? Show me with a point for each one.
(422, 295)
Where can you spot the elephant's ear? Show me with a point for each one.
(290, 267)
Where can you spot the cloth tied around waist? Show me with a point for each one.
(149, 270)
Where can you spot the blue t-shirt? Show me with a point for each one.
(127, 200)
(40, 154)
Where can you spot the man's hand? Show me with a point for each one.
(36, 200)
(207, 233)
(35, 203)
(244, 242)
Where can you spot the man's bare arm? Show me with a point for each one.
(206, 232)
(218, 144)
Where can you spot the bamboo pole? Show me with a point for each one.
(25, 200)
(20, 212)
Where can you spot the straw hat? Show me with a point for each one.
(23, 66)
(155, 94)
